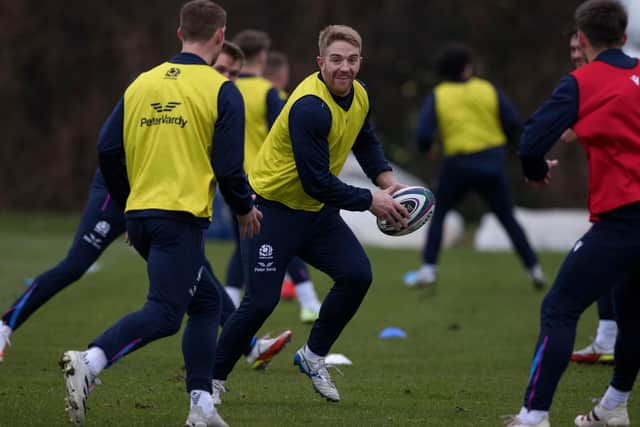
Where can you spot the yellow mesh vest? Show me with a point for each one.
(254, 93)
(169, 116)
(274, 175)
(468, 116)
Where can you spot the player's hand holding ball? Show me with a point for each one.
(385, 208)
(417, 205)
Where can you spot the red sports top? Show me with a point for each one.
(608, 127)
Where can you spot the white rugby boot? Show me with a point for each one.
(320, 378)
(266, 348)
(78, 382)
(424, 276)
(197, 418)
(514, 421)
(601, 417)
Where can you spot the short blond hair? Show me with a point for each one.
(334, 33)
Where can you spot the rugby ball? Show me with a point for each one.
(419, 201)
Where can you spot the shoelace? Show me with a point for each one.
(323, 371)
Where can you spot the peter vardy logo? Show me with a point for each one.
(164, 119)
(635, 79)
(94, 241)
(172, 73)
(265, 255)
(169, 106)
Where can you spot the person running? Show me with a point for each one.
(600, 101)
(177, 130)
(474, 121)
(295, 181)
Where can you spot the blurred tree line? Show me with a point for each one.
(67, 63)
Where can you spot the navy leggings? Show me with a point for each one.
(483, 173)
(607, 256)
(179, 283)
(102, 222)
(323, 240)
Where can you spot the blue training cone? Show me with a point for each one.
(392, 332)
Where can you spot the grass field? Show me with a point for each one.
(465, 361)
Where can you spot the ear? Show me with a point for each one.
(624, 39)
(583, 41)
(219, 36)
(320, 61)
(179, 33)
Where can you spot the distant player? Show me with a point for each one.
(177, 130)
(230, 61)
(277, 71)
(473, 120)
(295, 180)
(602, 347)
(600, 101)
(262, 106)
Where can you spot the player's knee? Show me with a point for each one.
(360, 276)
(558, 308)
(166, 319)
(170, 326)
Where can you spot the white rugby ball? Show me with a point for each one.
(419, 201)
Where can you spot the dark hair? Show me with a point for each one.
(233, 51)
(275, 61)
(604, 22)
(252, 42)
(571, 31)
(452, 59)
(200, 19)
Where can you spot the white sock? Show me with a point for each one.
(532, 417)
(310, 355)
(607, 333)
(235, 294)
(5, 333)
(613, 398)
(5, 330)
(204, 400)
(307, 297)
(95, 359)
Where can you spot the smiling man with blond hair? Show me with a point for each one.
(295, 180)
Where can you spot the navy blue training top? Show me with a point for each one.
(309, 126)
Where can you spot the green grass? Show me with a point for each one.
(465, 361)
